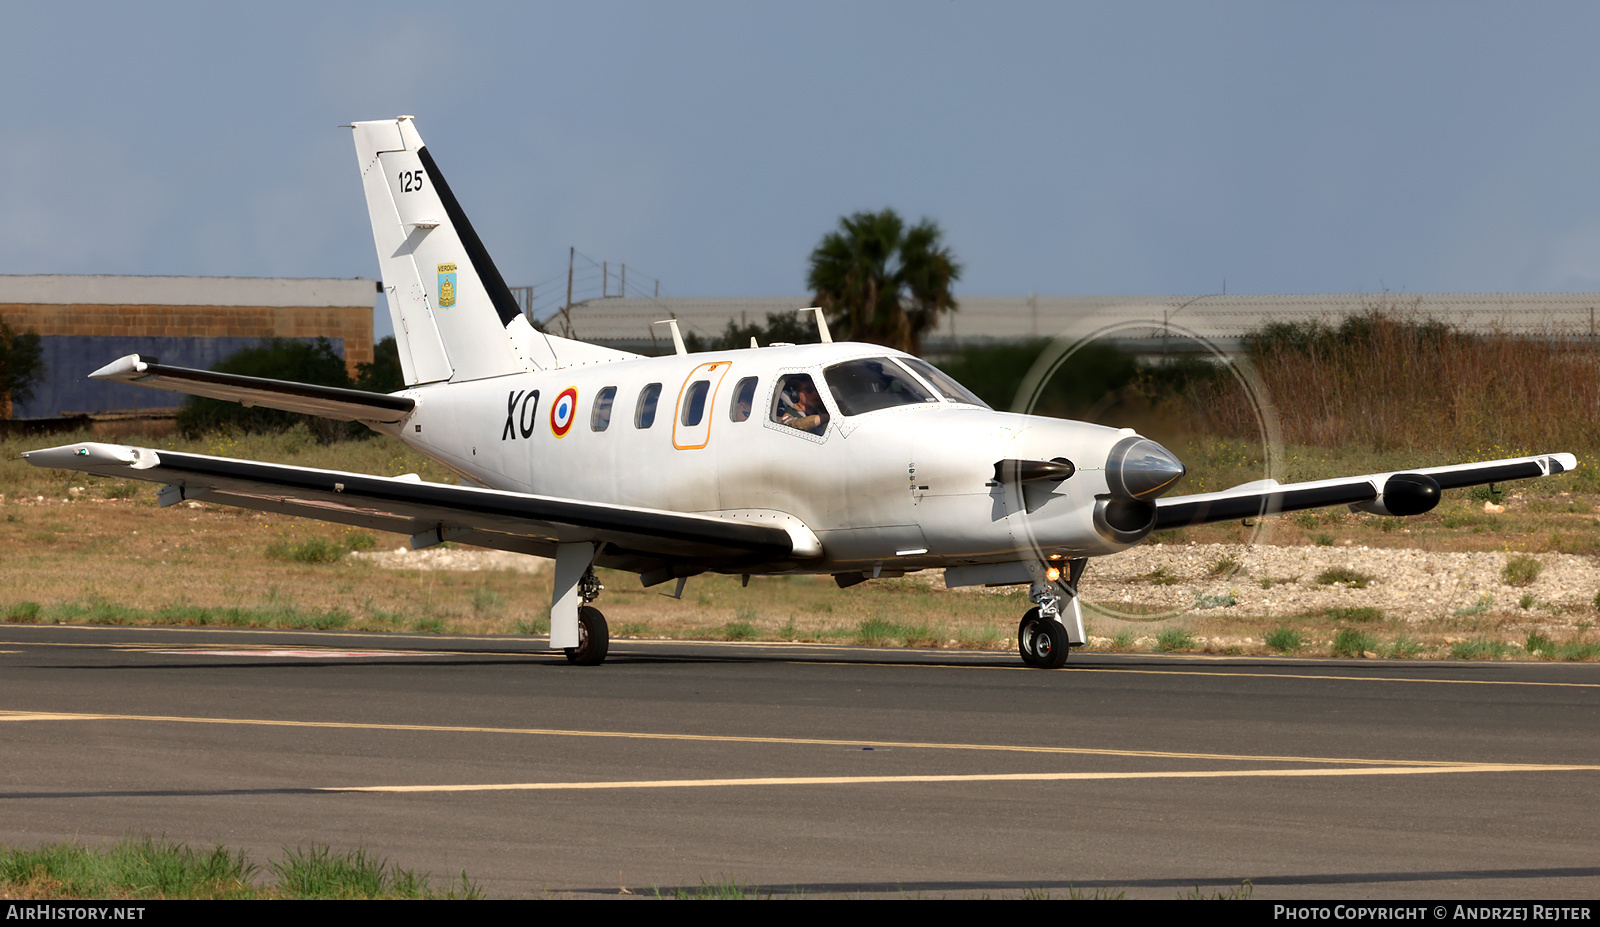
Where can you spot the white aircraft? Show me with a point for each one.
(847, 459)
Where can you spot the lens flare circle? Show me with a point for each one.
(1085, 333)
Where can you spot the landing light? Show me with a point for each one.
(1052, 574)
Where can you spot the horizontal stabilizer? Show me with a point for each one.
(345, 405)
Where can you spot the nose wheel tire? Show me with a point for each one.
(1042, 642)
(594, 639)
(1025, 633)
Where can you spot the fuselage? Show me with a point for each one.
(908, 485)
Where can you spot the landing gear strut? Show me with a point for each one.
(1047, 633)
(594, 638)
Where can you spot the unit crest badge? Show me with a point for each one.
(447, 285)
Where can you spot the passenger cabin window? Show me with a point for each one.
(797, 403)
(645, 415)
(600, 418)
(869, 385)
(943, 382)
(744, 399)
(694, 403)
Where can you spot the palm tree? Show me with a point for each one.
(881, 282)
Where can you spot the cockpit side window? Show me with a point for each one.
(797, 403)
(872, 384)
(943, 382)
(645, 414)
(600, 418)
(744, 399)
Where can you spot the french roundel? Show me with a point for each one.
(562, 411)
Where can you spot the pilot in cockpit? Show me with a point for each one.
(800, 406)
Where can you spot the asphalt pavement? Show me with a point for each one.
(819, 770)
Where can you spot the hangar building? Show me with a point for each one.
(85, 322)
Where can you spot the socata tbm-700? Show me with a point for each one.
(846, 459)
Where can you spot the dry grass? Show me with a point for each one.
(1393, 380)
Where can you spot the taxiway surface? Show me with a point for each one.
(819, 769)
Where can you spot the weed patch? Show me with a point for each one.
(1174, 640)
(1521, 571)
(1479, 648)
(143, 867)
(1285, 640)
(1364, 614)
(1160, 577)
(21, 612)
(1223, 566)
(311, 550)
(1343, 576)
(1404, 648)
(1352, 643)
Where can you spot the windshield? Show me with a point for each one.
(872, 384)
(944, 383)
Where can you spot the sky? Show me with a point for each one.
(1063, 148)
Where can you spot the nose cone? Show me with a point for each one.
(1139, 468)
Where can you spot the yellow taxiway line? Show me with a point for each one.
(979, 777)
(739, 739)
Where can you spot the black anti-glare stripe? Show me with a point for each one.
(1481, 475)
(1178, 514)
(499, 294)
(286, 388)
(757, 539)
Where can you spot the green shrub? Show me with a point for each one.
(1361, 614)
(1343, 576)
(21, 612)
(1174, 640)
(1479, 648)
(1521, 570)
(1285, 640)
(311, 550)
(1352, 643)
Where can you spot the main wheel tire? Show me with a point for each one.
(594, 638)
(1050, 647)
(1026, 631)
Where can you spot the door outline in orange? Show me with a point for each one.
(683, 434)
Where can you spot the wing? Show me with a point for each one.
(345, 405)
(646, 541)
(1411, 492)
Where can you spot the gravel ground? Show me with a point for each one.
(1411, 585)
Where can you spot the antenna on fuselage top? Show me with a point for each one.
(822, 324)
(677, 336)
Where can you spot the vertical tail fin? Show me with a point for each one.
(453, 315)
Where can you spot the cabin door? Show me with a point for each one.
(697, 404)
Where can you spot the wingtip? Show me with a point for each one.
(123, 368)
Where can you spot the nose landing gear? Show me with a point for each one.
(1047, 633)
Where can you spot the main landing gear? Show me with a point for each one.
(1047, 633)
(594, 638)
